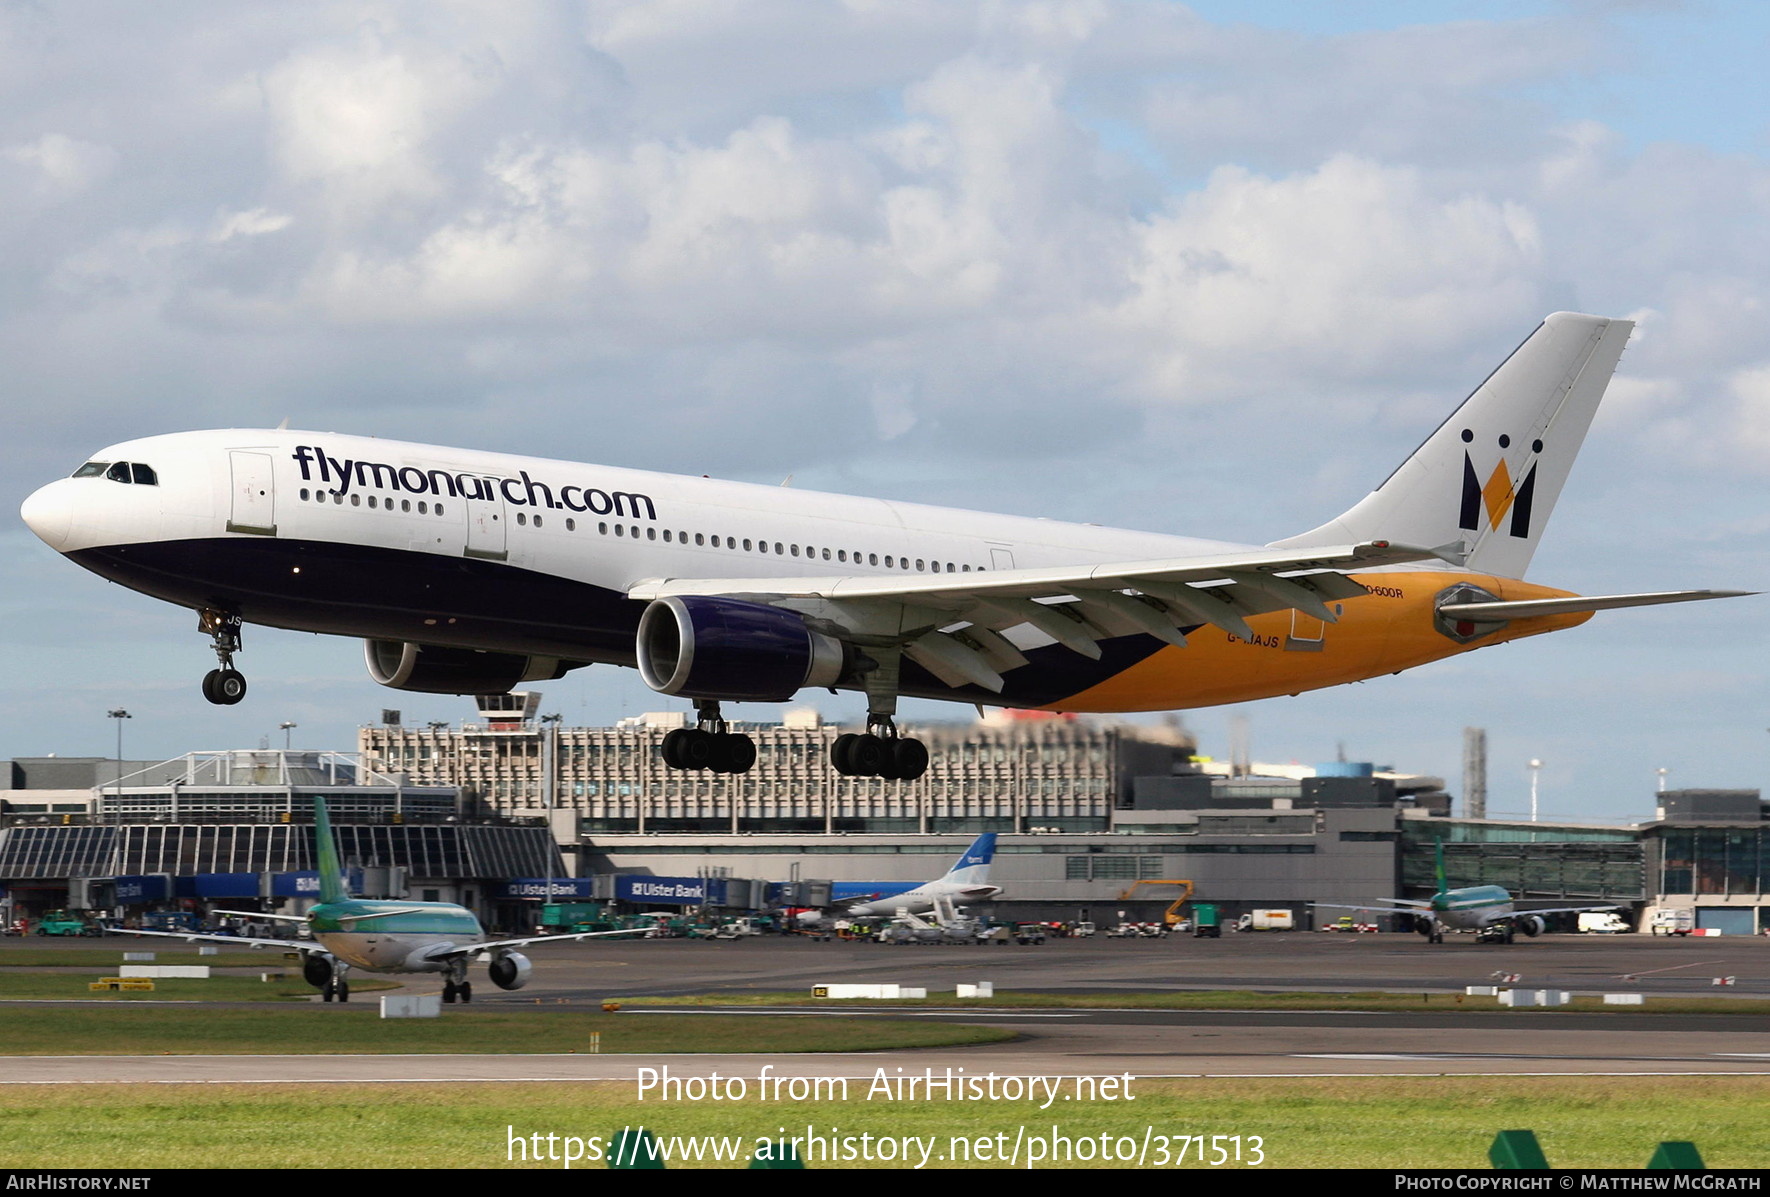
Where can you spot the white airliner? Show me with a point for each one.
(469, 572)
(1487, 910)
(385, 937)
(966, 881)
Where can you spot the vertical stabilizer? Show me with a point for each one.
(1438, 862)
(1482, 486)
(325, 850)
(972, 867)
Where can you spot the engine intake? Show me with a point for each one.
(1530, 924)
(429, 669)
(510, 970)
(717, 648)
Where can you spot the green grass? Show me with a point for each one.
(1225, 999)
(75, 987)
(332, 1030)
(110, 957)
(1354, 1122)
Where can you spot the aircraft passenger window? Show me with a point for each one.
(919, 568)
(91, 469)
(826, 554)
(118, 472)
(537, 521)
(841, 554)
(337, 496)
(439, 508)
(903, 562)
(371, 502)
(778, 550)
(699, 539)
(571, 525)
(144, 474)
(304, 494)
(602, 528)
(620, 531)
(795, 550)
(650, 533)
(887, 560)
(356, 500)
(747, 547)
(423, 507)
(521, 518)
(405, 505)
(666, 533)
(731, 542)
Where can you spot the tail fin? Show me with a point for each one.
(1438, 860)
(332, 888)
(1482, 486)
(972, 867)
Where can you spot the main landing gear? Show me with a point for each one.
(457, 988)
(227, 685)
(708, 745)
(880, 752)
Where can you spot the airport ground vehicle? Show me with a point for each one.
(64, 922)
(1204, 922)
(1266, 920)
(1669, 921)
(1606, 922)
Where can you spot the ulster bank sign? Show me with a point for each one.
(668, 891)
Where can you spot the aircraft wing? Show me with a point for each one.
(951, 624)
(1399, 905)
(489, 945)
(285, 945)
(1567, 909)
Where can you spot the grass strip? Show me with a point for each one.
(1352, 1122)
(126, 1030)
(1225, 999)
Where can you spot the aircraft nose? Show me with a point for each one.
(50, 514)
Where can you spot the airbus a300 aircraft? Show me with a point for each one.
(966, 881)
(468, 572)
(385, 937)
(1487, 910)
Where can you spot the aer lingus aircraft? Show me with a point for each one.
(469, 572)
(385, 937)
(1487, 910)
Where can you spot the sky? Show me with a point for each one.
(1211, 269)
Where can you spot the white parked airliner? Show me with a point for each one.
(470, 572)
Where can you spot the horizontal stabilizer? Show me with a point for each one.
(1567, 606)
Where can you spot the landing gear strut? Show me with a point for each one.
(337, 988)
(880, 752)
(457, 988)
(709, 744)
(224, 686)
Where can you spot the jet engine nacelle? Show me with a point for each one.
(510, 970)
(717, 648)
(1530, 924)
(316, 969)
(428, 669)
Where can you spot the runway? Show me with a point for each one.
(1479, 1039)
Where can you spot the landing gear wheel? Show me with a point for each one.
(344, 991)
(230, 686)
(909, 759)
(869, 755)
(449, 993)
(840, 754)
(673, 747)
(733, 753)
(326, 994)
(466, 990)
(696, 749)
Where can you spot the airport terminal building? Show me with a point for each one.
(1093, 818)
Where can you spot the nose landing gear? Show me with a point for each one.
(224, 686)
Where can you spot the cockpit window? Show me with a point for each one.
(91, 469)
(144, 474)
(118, 472)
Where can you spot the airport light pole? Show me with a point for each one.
(119, 715)
(287, 728)
(1535, 768)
